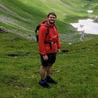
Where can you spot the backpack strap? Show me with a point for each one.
(48, 42)
(38, 26)
(37, 29)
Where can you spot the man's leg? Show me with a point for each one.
(49, 70)
(43, 74)
(52, 58)
(48, 78)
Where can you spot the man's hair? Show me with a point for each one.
(52, 13)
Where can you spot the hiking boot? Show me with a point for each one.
(50, 80)
(44, 84)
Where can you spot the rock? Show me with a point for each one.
(65, 50)
(2, 30)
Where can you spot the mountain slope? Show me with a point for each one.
(21, 16)
(76, 71)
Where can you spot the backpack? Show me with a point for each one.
(37, 29)
(46, 33)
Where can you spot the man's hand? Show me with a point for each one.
(58, 50)
(45, 57)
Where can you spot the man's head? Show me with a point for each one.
(51, 17)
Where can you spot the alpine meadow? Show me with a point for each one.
(76, 67)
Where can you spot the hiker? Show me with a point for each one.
(49, 45)
(82, 32)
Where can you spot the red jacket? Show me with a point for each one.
(48, 43)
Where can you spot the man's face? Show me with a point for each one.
(51, 19)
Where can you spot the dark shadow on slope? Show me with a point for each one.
(3, 30)
(17, 53)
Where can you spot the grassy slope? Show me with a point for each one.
(23, 16)
(19, 70)
(76, 71)
(19, 17)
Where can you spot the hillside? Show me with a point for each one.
(22, 16)
(76, 71)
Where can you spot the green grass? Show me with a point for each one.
(27, 14)
(75, 71)
(23, 16)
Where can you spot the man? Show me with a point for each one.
(49, 45)
(81, 30)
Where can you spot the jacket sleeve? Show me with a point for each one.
(58, 42)
(41, 37)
